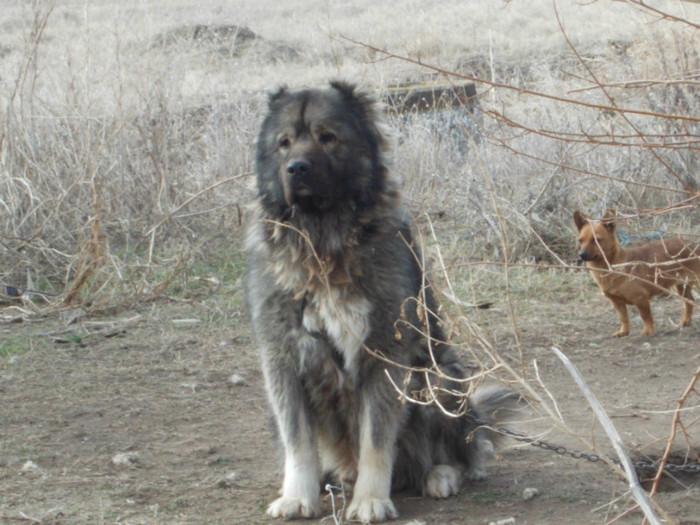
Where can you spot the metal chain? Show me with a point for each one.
(692, 468)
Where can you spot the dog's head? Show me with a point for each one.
(322, 149)
(596, 241)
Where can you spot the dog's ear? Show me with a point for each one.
(608, 219)
(346, 88)
(609, 214)
(370, 112)
(580, 220)
(274, 96)
(364, 102)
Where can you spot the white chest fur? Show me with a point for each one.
(345, 320)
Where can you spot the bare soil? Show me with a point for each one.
(157, 414)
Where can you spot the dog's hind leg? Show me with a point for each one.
(685, 291)
(644, 308)
(443, 481)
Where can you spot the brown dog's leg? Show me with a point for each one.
(621, 309)
(645, 311)
(684, 290)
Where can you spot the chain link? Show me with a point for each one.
(692, 468)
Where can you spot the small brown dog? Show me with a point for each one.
(633, 276)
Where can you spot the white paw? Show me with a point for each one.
(291, 508)
(443, 481)
(371, 510)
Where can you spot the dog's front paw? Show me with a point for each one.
(292, 508)
(371, 510)
(443, 481)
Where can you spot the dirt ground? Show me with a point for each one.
(158, 415)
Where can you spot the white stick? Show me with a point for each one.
(637, 492)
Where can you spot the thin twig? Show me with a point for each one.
(641, 135)
(22, 517)
(672, 437)
(662, 14)
(193, 197)
(521, 91)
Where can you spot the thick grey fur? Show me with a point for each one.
(337, 228)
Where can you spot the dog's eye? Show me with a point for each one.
(326, 138)
(284, 143)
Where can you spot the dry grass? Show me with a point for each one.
(119, 118)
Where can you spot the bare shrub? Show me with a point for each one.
(627, 144)
(113, 174)
(122, 134)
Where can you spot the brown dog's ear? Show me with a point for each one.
(608, 219)
(580, 220)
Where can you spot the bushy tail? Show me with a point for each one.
(495, 403)
(490, 406)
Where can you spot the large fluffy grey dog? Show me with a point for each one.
(338, 301)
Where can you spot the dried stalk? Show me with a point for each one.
(637, 491)
(674, 426)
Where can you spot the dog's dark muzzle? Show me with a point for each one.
(585, 256)
(305, 188)
(298, 169)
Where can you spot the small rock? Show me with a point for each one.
(126, 459)
(237, 380)
(530, 493)
(506, 521)
(29, 466)
(227, 481)
(191, 386)
(31, 469)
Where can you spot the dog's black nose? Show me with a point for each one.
(299, 168)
